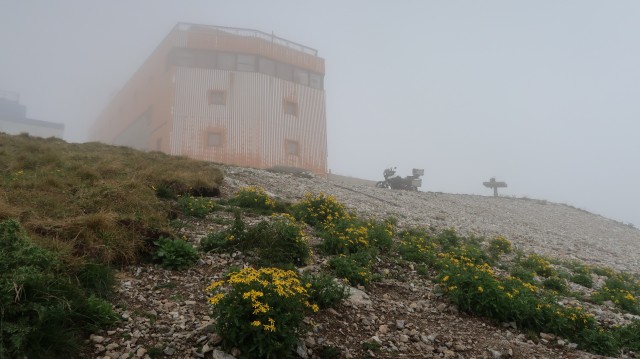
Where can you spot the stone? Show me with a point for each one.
(358, 297)
(494, 353)
(301, 350)
(218, 354)
(96, 338)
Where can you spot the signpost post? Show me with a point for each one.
(495, 185)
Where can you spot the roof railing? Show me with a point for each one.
(254, 33)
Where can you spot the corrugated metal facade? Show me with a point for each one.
(249, 127)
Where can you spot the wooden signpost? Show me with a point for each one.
(495, 185)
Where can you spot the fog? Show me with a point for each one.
(543, 95)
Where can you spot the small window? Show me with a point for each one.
(290, 108)
(292, 147)
(246, 63)
(214, 139)
(217, 97)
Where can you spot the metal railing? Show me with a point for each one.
(254, 33)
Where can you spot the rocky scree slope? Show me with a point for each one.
(165, 313)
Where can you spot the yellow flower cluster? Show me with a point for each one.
(263, 284)
(324, 208)
(353, 236)
(422, 244)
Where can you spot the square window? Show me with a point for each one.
(292, 148)
(217, 97)
(214, 139)
(290, 108)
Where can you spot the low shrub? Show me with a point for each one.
(44, 313)
(174, 253)
(355, 268)
(97, 279)
(215, 241)
(279, 241)
(320, 210)
(583, 279)
(538, 264)
(196, 206)
(418, 247)
(622, 289)
(381, 234)
(499, 246)
(556, 284)
(522, 273)
(324, 290)
(260, 311)
(344, 237)
(253, 197)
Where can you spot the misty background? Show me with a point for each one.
(542, 94)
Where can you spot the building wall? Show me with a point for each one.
(253, 124)
(13, 121)
(166, 105)
(139, 116)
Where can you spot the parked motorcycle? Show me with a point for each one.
(409, 183)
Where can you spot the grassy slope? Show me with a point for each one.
(93, 200)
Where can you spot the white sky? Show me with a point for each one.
(541, 94)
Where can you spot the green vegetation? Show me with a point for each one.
(260, 311)
(68, 212)
(92, 200)
(279, 241)
(470, 281)
(324, 290)
(195, 206)
(43, 310)
(174, 253)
